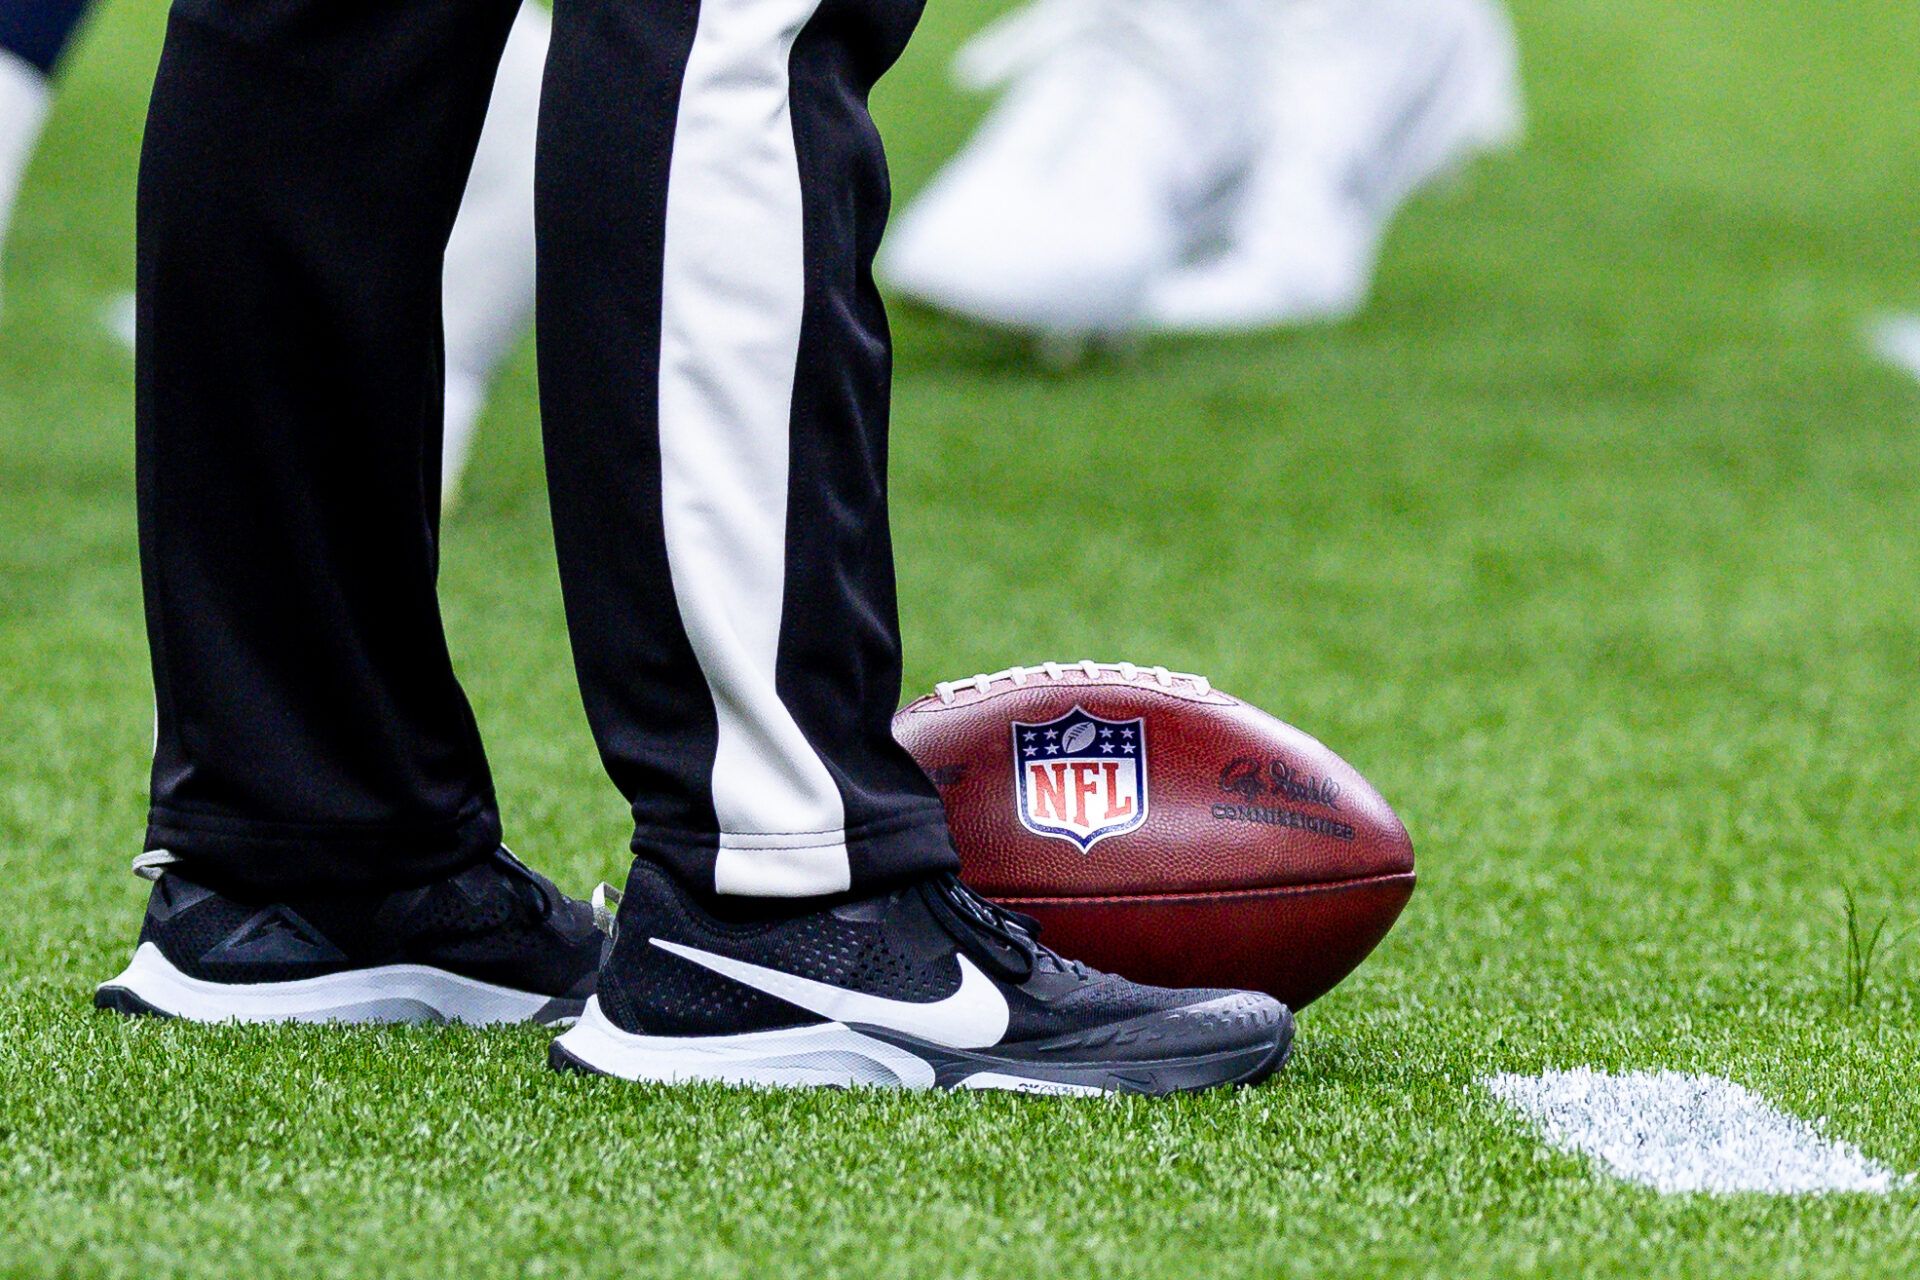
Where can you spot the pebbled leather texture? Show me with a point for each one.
(1264, 862)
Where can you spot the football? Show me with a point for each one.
(1160, 829)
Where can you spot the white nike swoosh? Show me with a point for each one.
(974, 1017)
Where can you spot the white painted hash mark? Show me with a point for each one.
(1896, 339)
(1679, 1133)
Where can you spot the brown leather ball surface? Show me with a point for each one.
(1162, 830)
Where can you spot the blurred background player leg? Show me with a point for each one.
(487, 294)
(33, 35)
(1199, 164)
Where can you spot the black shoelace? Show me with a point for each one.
(1011, 929)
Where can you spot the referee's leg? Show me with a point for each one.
(304, 161)
(715, 370)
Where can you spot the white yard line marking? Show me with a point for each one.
(1680, 1133)
(1896, 339)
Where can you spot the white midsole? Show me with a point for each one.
(386, 993)
(828, 1053)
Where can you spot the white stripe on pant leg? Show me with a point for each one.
(733, 294)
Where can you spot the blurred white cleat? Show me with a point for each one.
(1369, 100)
(1121, 118)
(23, 110)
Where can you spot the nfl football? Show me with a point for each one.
(1162, 830)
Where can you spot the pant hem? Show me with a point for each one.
(881, 853)
(280, 857)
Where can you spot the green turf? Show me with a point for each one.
(1594, 543)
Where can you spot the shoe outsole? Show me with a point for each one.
(151, 986)
(120, 1000)
(558, 1012)
(833, 1055)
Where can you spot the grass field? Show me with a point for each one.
(1595, 544)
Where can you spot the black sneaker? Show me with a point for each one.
(495, 943)
(928, 986)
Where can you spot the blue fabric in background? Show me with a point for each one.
(38, 30)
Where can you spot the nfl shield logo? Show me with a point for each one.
(1081, 778)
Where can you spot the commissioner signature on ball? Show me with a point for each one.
(1251, 778)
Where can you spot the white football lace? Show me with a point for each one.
(1130, 672)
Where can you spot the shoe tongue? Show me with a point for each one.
(866, 910)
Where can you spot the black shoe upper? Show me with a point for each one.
(497, 921)
(901, 945)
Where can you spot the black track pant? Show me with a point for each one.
(714, 383)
